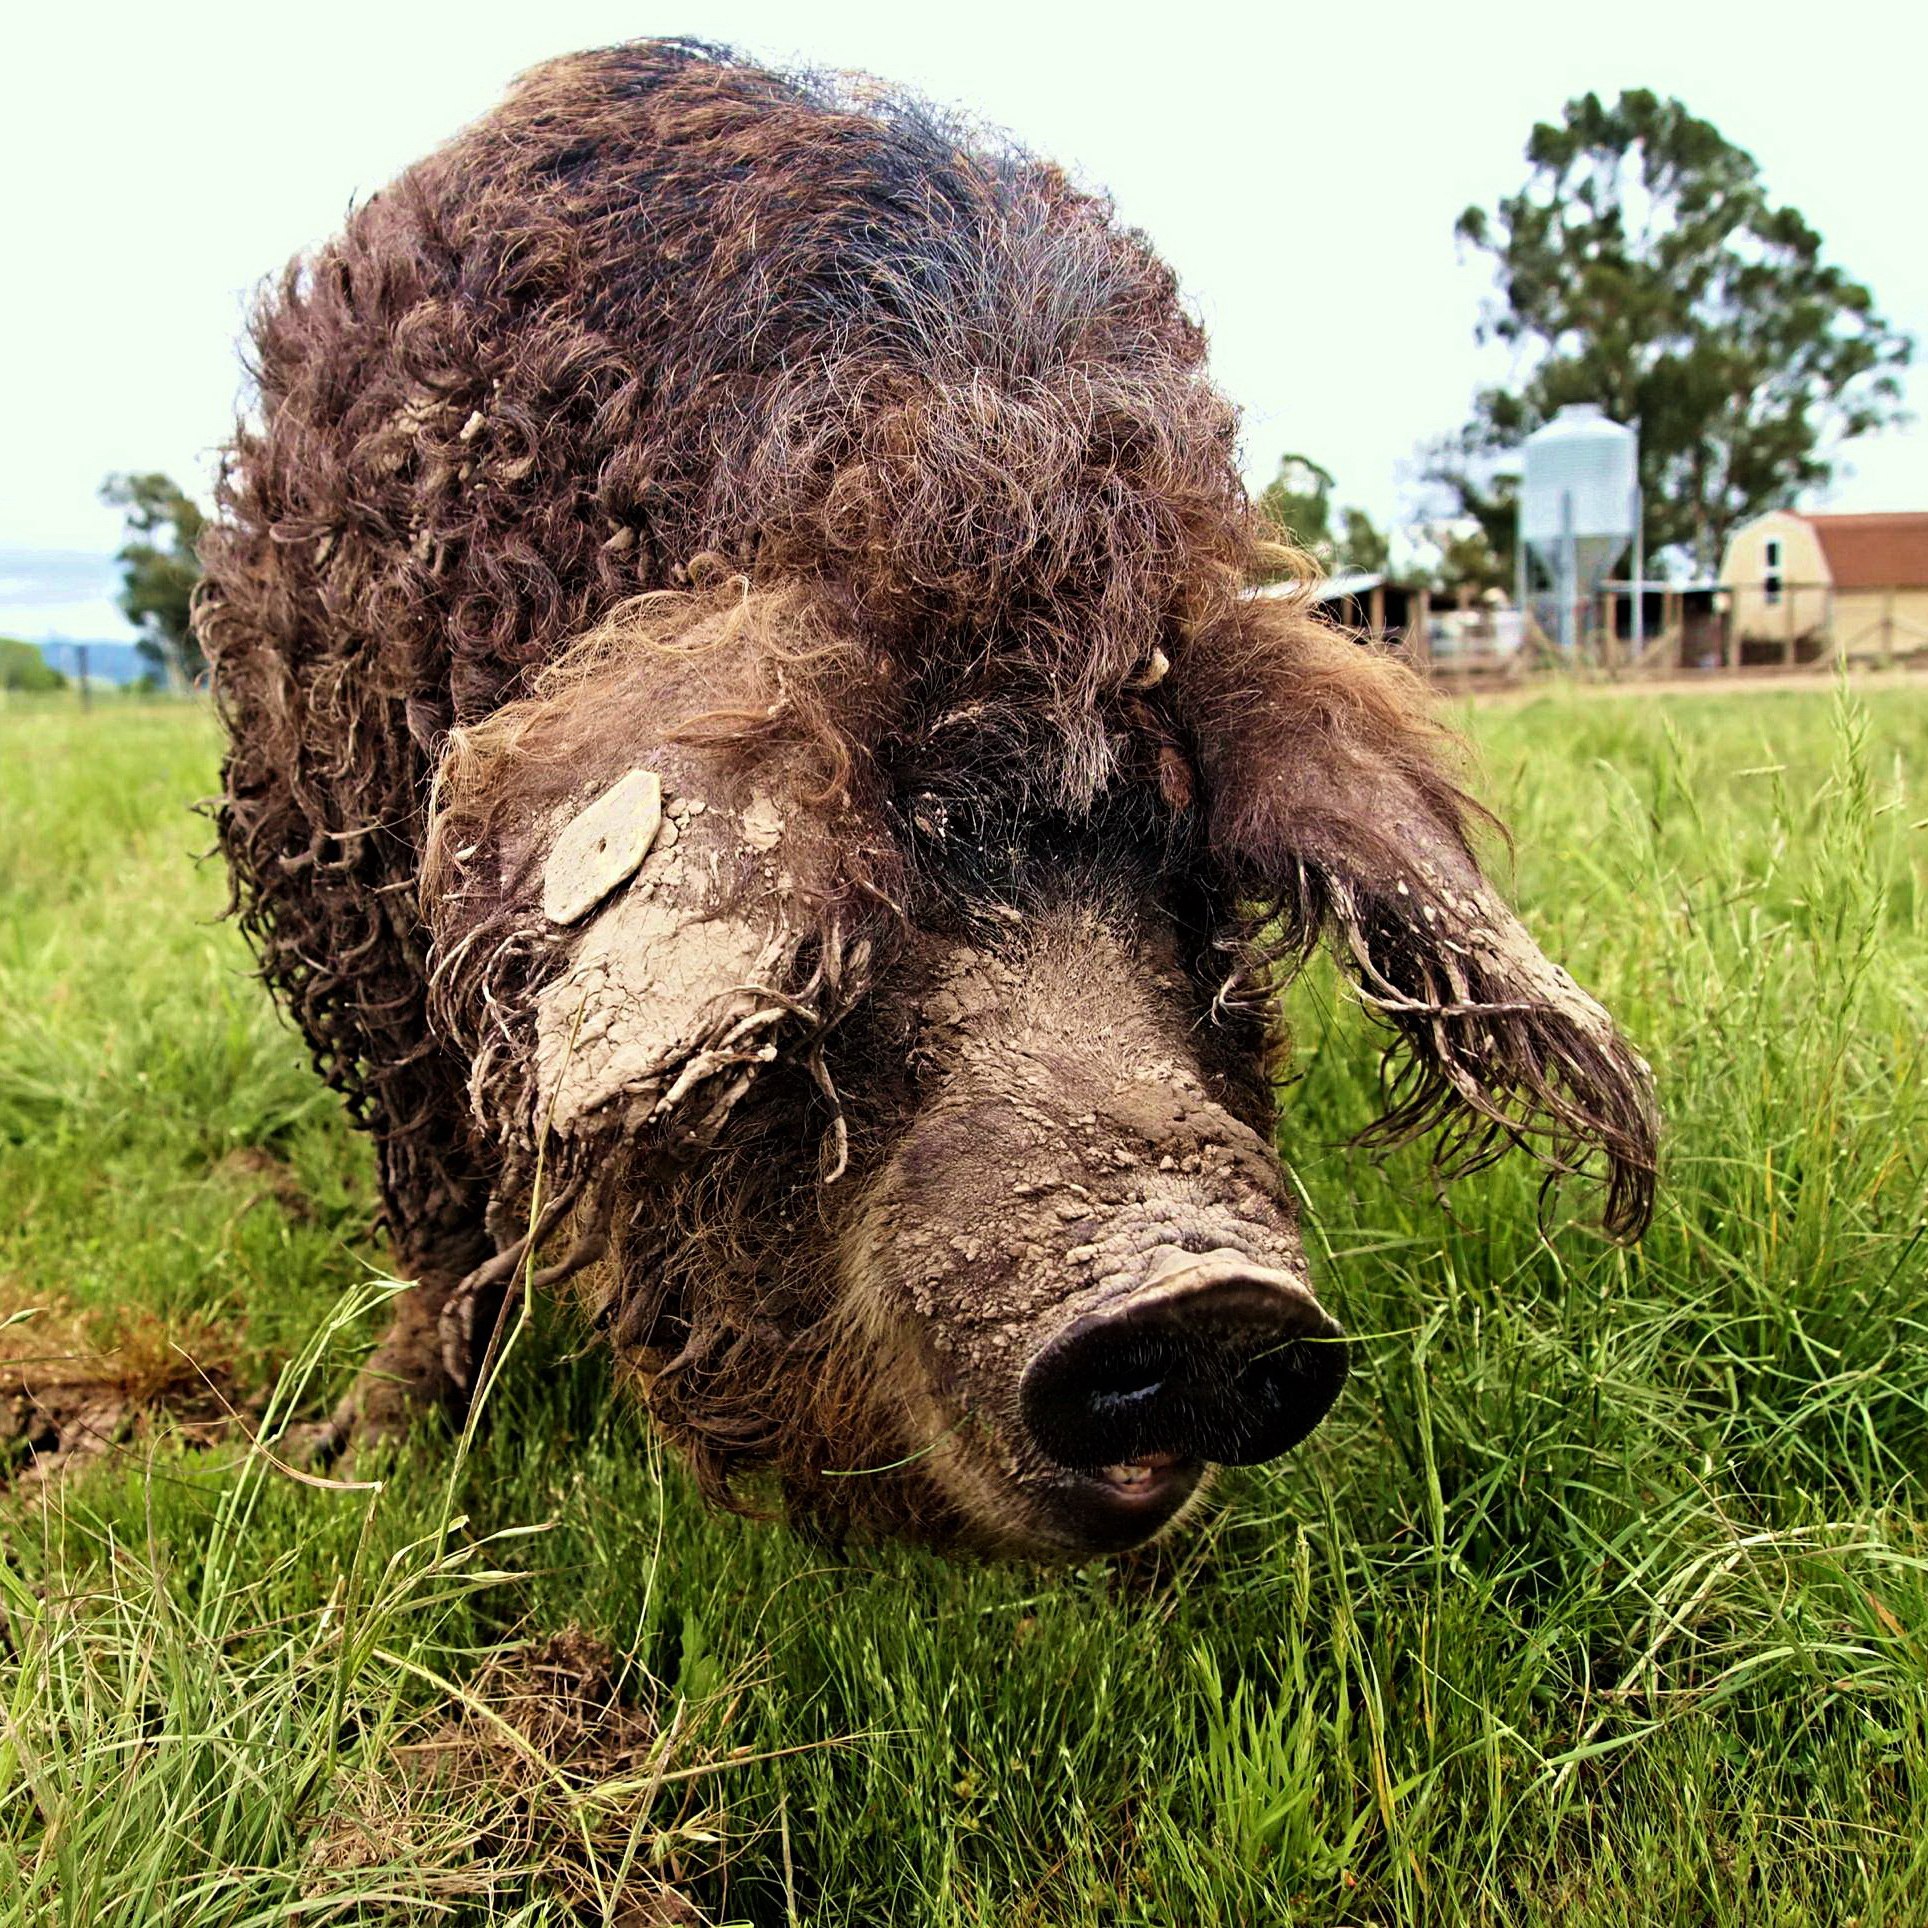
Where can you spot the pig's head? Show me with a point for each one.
(1076, 1252)
(926, 1158)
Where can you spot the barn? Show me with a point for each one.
(1805, 586)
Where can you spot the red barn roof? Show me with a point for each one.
(1874, 551)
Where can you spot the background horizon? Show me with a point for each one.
(1302, 179)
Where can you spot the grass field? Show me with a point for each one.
(1603, 1598)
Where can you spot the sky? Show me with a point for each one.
(1301, 169)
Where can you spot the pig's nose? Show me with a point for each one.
(1216, 1358)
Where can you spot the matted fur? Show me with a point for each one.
(898, 451)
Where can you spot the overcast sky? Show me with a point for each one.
(1301, 170)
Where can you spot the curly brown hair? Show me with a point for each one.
(907, 447)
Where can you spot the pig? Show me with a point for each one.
(754, 762)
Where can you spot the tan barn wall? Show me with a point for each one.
(1858, 615)
(1806, 598)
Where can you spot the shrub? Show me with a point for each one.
(22, 667)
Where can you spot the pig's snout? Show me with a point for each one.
(1213, 1357)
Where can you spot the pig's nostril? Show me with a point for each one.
(1228, 1367)
(1122, 1403)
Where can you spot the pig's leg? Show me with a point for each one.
(407, 1376)
(435, 1199)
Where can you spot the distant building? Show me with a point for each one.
(1804, 586)
(1452, 628)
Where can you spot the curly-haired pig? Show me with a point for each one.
(755, 764)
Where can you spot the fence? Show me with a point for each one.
(1700, 627)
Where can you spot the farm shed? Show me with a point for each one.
(1681, 624)
(1456, 629)
(1805, 586)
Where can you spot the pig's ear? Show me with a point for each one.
(625, 926)
(1332, 799)
(627, 966)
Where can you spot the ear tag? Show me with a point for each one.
(602, 847)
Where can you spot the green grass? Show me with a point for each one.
(1602, 1599)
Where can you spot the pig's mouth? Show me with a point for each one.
(1114, 1507)
(1047, 1511)
(1142, 1480)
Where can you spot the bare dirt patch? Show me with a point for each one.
(573, 1759)
(270, 1179)
(72, 1391)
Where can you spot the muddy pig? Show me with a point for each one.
(755, 763)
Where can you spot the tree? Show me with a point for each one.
(1468, 559)
(1643, 266)
(23, 668)
(159, 568)
(1298, 503)
(1362, 545)
(1461, 463)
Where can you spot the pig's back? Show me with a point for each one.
(658, 304)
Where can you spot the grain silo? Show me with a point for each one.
(1579, 508)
